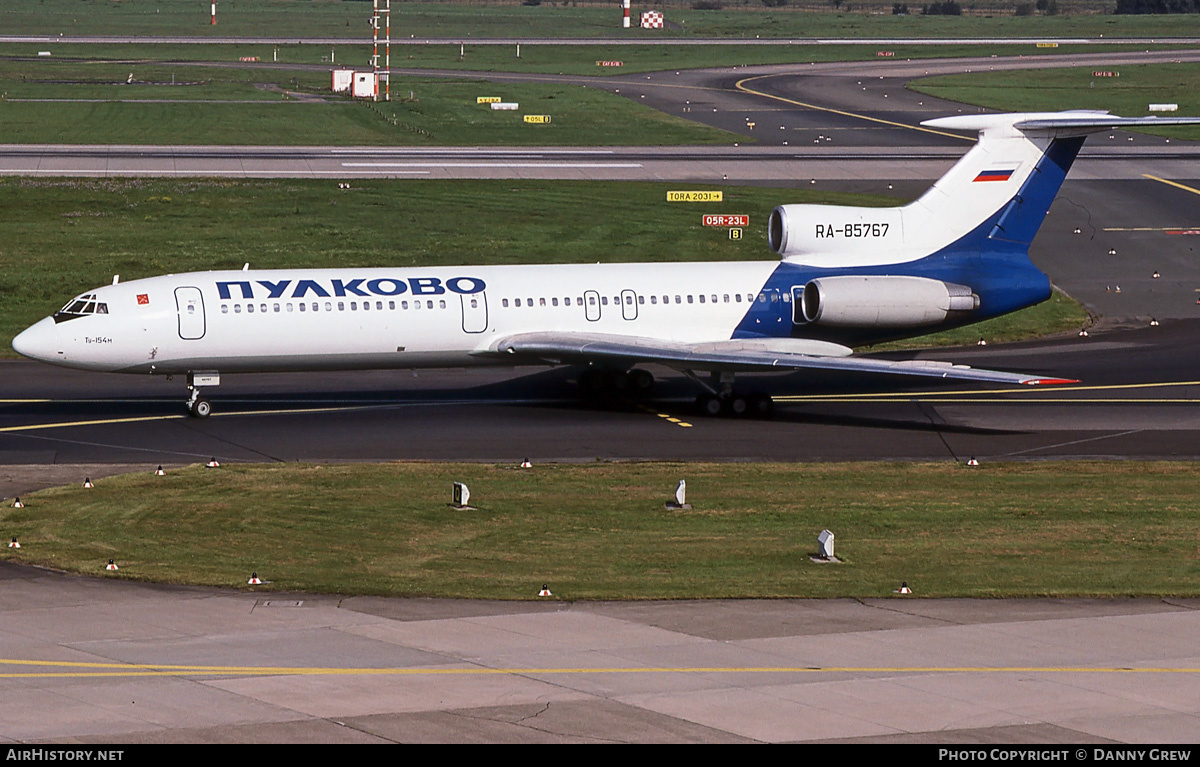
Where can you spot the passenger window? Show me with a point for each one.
(567, 301)
(441, 303)
(101, 308)
(679, 299)
(341, 306)
(354, 306)
(301, 306)
(689, 298)
(554, 301)
(701, 298)
(249, 308)
(541, 302)
(642, 300)
(774, 298)
(429, 304)
(237, 308)
(591, 300)
(329, 306)
(392, 305)
(504, 302)
(289, 307)
(366, 306)
(726, 298)
(714, 298)
(224, 309)
(416, 304)
(379, 305)
(262, 308)
(787, 298)
(604, 300)
(654, 300)
(403, 304)
(517, 301)
(276, 308)
(737, 297)
(315, 306)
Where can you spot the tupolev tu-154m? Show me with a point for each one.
(847, 276)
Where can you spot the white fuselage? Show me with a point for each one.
(339, 319)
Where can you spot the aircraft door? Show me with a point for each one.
(591, 305)
(629, 307)
(798, 305)
(474, 312)
(190, 304)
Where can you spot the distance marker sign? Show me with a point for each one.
(697, 196)
(537, 119)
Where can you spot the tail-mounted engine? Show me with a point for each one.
(881, 302)
(870, 234)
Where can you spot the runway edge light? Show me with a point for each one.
(545, 592)
(111, 565)
(159, 472)
(254, 580)
(13, 544)
(212, 464)
(904, 589)
(87, 482)
(17, 503)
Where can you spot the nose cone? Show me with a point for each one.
(39, 341)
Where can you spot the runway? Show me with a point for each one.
(83, 660)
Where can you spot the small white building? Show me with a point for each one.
(343, 80)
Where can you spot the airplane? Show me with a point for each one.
(846, 276)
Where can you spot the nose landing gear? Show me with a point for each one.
(197, 406)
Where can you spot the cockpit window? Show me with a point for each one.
(80, 307)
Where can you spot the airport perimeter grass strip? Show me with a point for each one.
(601, 531)
(237, 18)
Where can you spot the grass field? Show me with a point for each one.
(61, 237)
(600, 531)
(94, 102)
(1129, 94)
(294, 18)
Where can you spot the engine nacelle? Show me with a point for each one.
(798, 230)
(882, 302)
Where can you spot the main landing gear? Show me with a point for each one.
(197, 406)
(722, 399)
(596, 382)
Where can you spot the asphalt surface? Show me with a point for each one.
(299, 668)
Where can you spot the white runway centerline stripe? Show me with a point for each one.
(491, 165)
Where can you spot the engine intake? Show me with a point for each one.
(881, 302)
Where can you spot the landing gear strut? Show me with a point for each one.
(197, 406)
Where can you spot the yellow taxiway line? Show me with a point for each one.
(741, 86)
(1171, 183)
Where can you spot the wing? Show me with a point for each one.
(778, 355)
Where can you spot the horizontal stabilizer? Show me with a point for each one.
(1076, 123)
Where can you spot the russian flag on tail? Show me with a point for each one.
(995, 175)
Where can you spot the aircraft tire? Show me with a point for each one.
(709, 404)
(201, 408)
(761, 405)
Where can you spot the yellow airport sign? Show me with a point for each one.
(487, 99)
(696, 196)
(537, 119)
